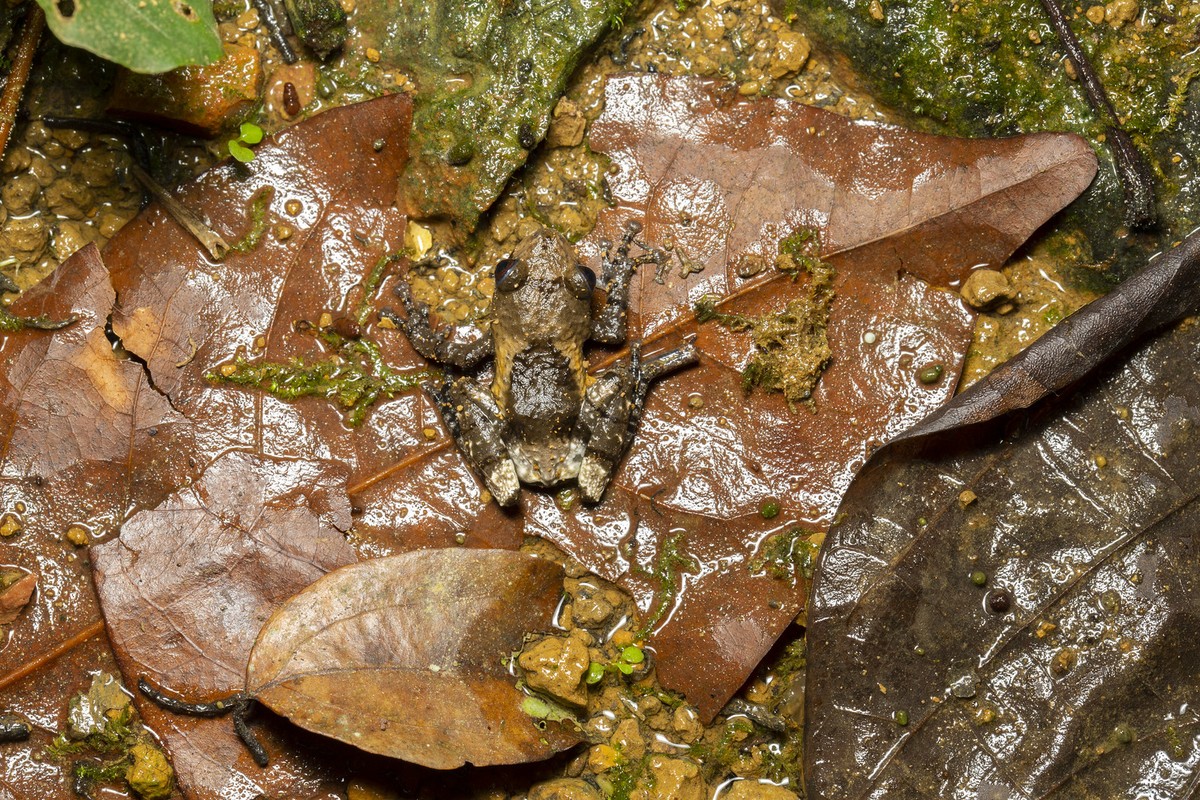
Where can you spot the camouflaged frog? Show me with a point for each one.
(544, 421)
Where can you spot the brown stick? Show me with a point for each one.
(59, 650)
(22, 61)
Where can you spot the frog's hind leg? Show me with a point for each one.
(474, 420)
(611, 409)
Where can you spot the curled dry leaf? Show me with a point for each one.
(1018, 618)
(406, 656)
(187, 586)
(722, 181)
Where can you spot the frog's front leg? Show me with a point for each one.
(437, 345)
(477, 425)
(610, 324)
(611, 409)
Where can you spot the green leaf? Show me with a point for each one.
(251, 133)
(240, 151)
(623, 668)
(143, 35)
(633, 655)
(595, 673)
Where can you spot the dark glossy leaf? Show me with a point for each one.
(1027, 607)
(722, 180)
(406, 656)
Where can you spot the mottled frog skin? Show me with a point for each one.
(543, 422)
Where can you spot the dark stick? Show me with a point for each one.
(1137, 182)
(266, 13)
(106, 127)
(22, 61)
(257, 751)
(240, 705)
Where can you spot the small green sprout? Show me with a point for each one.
(239, 148)
(595, 673)
(625, 664)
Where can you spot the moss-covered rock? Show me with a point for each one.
(488, 74)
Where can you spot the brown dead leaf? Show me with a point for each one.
(188, 317)
(71, 415)
(722, 180)
(406, 656)
(187, 586)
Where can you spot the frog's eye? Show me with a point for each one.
(510, 274)
(582, 283)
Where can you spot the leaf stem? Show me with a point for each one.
(1137, 182)
(22, 62)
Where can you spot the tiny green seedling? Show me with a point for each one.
(625, 664)
(239, 148)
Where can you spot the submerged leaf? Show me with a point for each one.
(1030, 604)
(406, 656)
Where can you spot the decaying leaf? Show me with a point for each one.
(71, 413)
(321, 243)
(720, 484)
(407, 656)
(187, 586)
(1019, 618)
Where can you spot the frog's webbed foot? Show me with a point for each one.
(477, 425)
(437, 345)
(610, 324)
(611, 409)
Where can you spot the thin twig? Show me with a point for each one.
(22, 61)
(206, 236)
(60, 649)
(131, 133)
(1137, 181)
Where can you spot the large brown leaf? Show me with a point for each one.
(72, 417)
(406, 656)
(187, 316)
(187, 586)
(1072, 673)
(722, 180)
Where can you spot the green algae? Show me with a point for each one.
(791, 345)
(488, 73)
(257, 212)
(994, 68)
(785, 554)
(671, 561)
(354, 376)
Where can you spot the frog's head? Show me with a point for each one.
(543, 291)
(548, 260)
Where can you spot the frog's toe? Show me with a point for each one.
(503, 483)
(594, 474)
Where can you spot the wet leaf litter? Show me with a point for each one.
(183, 342)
